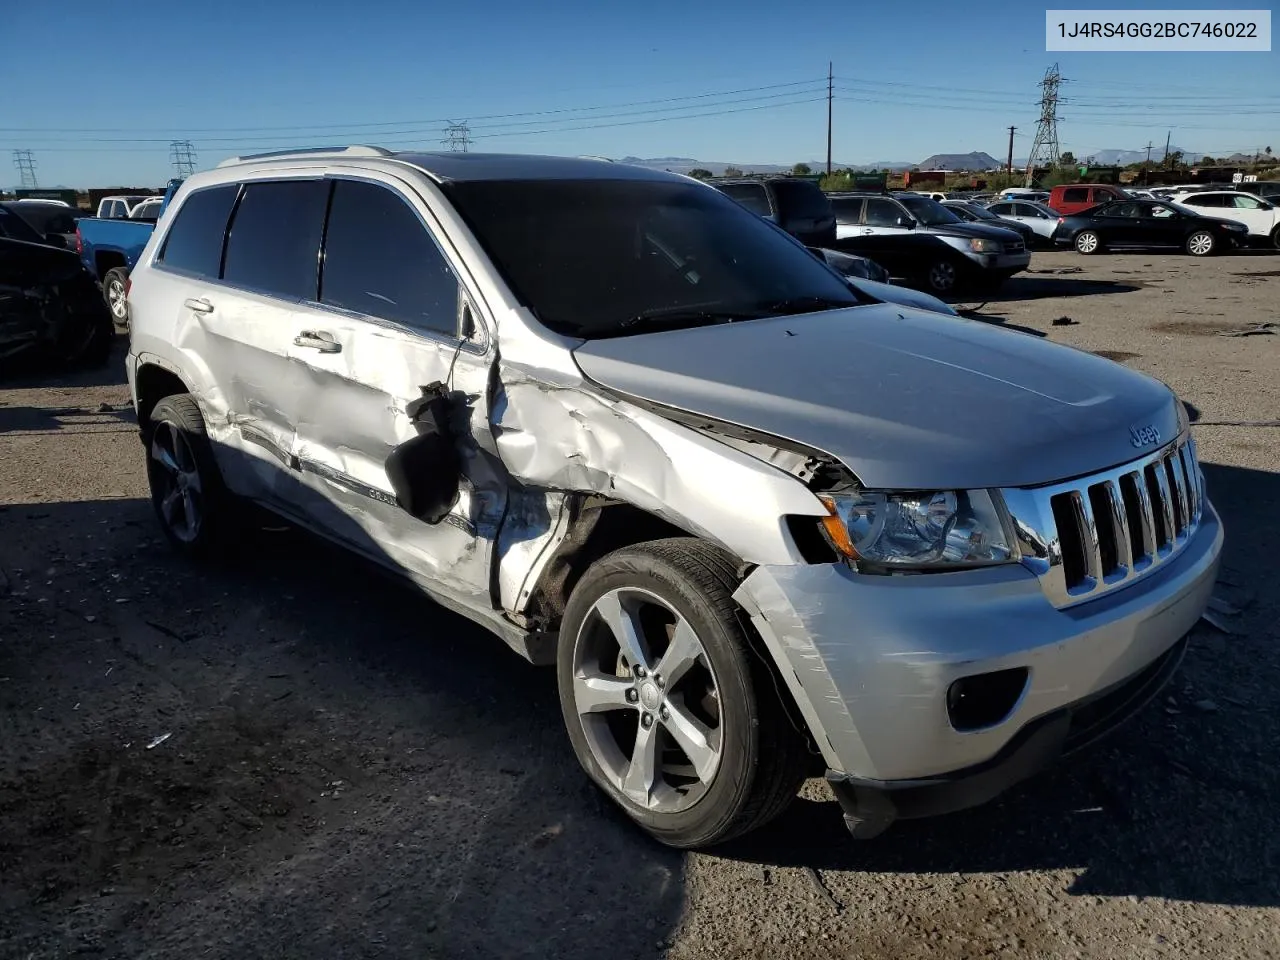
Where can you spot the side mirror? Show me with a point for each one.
(56, 240)
(425, 471)
(906, 222)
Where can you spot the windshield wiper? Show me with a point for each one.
(790, 305)
(667, 318)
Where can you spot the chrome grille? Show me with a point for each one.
(1087, 537)
(1013, 246)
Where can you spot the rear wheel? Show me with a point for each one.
(669, 708)
(1088, 242)
(193, 507)
(1275, 238)
(113, 292)
(1201, 243)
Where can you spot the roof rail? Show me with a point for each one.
(356, 150)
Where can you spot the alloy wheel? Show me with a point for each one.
(648, 700)
(116, 301)
(1200, 244)
(1087, 242)
(176, 483)
(942, 276)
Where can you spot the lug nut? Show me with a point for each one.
(646, 720)
(664, 713)
(632, 696)
(639, 671)
(657, 678)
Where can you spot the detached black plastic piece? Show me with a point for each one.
(425, 471)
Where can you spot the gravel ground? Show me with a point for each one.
(294, 757)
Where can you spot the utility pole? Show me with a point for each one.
(829, 96)
(26, 164)
(182, 154)
(1146, 163)
(457, 136)
(1045, 148)
(1167, 137)
(1009, 166)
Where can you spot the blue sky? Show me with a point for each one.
(581, 77)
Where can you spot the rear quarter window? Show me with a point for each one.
(1077, 195)
(194, 242)
(274, 241)
(800, 198)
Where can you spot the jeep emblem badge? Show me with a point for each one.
(1144, 436)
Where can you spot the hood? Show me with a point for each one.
(983, 231)
(905, 398)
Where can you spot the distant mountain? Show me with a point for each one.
(718, 167)
(959, 161)
(1122, 158)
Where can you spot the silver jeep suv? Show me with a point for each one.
(764, 523)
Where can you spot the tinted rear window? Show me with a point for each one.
(799, 198)
(750, 195)
(15, 228)
(274, 242)
(48, 218)
(1076, 195)
(847, 209)
(194, 242)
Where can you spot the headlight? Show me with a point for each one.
(985, 246)
(917, 530)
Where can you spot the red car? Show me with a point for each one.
(1081, 196)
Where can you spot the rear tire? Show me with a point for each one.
(744, 760)
(1088, 243)
(113, 293)
(1275, 238)
(194, 508)
(1201, 243)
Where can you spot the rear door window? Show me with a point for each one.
(1076, 195)
(381, 261)
(194, 242)
(1001, 209)
(848, 209)
(750, 195)
(274, 242)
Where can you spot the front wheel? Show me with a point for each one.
(1275, 238)
(1088, 242)
(1200, 243)
(113, 292)
(943, 277)
(669, 708)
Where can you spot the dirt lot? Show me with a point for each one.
(297, 758)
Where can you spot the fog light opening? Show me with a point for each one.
(985, 699)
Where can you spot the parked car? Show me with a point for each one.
(976, 213)
(642, 435)
(797, 206)
(1072, 198)
(936, 195)
(853, 267)
(49, 305)
(869, 278)
(1261, 217)
(49, 218)
(1148, 223)
(109, 247)
(921, 241)
(1266, 189)
(118, 208)
(1023, 193)
(148, 209)
(1041, 220)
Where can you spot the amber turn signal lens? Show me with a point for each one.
(837, 533)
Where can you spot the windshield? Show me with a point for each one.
(928, 212)
(979, 211)
(48, 217)
(604, 258)
(15, 228)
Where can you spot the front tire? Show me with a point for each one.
(669, 708)
(1088, 243)
(113, 292)
(187, 493)
(1201, 243)
(943, 277)
(1275, 238)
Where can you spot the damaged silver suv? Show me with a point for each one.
(764, 523)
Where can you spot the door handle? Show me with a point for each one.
(320, 340)
(199, 306)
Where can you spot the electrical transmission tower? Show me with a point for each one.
(1044, 149)
(182, 154)
(26, 164)
(457, 136)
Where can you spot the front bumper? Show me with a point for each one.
(869, 659)
(1008, 263)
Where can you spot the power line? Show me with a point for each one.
(26, 164)
(457, 136)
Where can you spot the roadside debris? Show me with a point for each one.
(158, 740)
(105, 408)
(816, 882)
(1265, 329)
(1064, 322)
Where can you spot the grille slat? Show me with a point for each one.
(1099, 533)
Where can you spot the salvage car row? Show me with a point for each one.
(765, 520)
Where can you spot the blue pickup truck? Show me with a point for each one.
(110, 247)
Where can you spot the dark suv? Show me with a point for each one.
(797, 206)
(920, 240)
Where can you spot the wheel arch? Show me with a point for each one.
(152, 383)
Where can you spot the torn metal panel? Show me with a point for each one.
(536, 522)
(558, 432)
